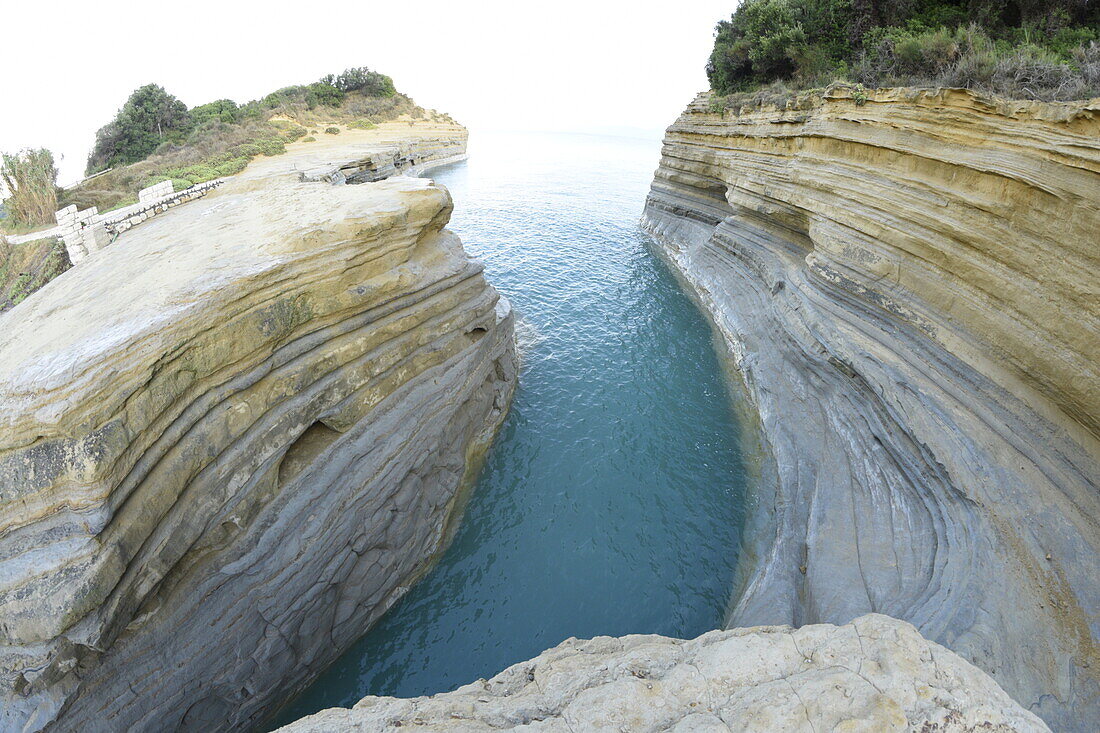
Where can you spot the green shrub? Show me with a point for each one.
(362, 125)
(150, 117)
(19, 289)
(1029, 49)
(246, 150)
(308, 139)
(320, 93)
(222, 110)
(271, 146)
(285, 96)
(362, 79)
(332, 130)
(195, 173)
(230, 167)
(769, 40)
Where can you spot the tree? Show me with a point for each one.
(30, 178)
(150, 117)
(757, 44)
(362, 79)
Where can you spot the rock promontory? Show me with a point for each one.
(875, 674)
(907, 281)
(231, 439)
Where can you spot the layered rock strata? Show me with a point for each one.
(381, 162)
(907, 281)
(875, 674)
(230, 441)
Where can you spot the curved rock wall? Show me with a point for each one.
(908, 283)
(875, 674)
(232, 444)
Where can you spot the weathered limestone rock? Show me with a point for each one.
(875, 674)
(909, 287)
(231, 440)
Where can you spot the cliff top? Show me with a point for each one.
(1083, 114)
(128, 295)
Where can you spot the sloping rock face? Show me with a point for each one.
(231, 440)
(875, 674)
(908, 284)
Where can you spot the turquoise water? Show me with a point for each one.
(611, 501)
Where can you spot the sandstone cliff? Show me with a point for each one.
(876, 674)
(908, 283)
(230, 440)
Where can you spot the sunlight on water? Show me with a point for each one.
(611, 501)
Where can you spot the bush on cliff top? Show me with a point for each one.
(1042, 49)
(362, 79)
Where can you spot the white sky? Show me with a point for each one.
(564, 65)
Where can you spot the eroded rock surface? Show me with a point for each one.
(875, 674)
(231, 440)
(908, 283)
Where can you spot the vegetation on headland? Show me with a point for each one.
(155, 137)
(1020, 49)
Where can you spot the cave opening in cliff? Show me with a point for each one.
(302, 452)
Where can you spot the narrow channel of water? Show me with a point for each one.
(611, 501)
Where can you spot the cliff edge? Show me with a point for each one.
(231, 439)
(907, 281)
(875, 674)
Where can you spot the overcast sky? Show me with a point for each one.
(563, 65)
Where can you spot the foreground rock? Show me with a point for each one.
(908, 282)
(230, 440)
(875, 674)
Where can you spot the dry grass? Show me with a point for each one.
(31, 181)
(968, 58)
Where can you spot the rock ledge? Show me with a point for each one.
(875, 674)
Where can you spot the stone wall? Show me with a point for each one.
(87, 232)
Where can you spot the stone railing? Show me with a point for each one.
(86, 232)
